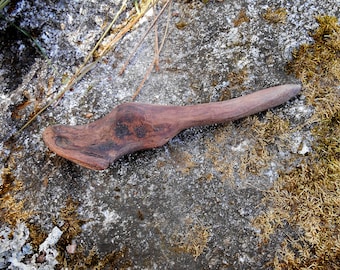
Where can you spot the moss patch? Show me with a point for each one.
(275, 16)
(193, 242)
(75, 256)
(307, 199)
(11, 210)
(241, 18)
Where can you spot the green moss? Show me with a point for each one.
(308, 197)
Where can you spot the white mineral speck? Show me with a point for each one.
(52, 239)
(305, 149)
(241, 147)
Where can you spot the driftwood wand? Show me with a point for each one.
(132, 126)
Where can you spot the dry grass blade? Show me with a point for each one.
(158, 48)
(126, 28)
(82, 70)
(86, 66)
(3, 4)
(142, 39)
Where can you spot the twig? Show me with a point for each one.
(155, 62)
(142, 39)
(83, 69)
(146, 76)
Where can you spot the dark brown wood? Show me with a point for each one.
(132, 126)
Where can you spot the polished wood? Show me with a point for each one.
(133, 126)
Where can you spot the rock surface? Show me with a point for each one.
(189, 204)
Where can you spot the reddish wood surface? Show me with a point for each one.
(133, 126)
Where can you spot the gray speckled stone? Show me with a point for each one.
(147, 199)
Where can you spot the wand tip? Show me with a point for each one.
(294, 89)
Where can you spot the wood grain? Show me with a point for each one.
(133, 126)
